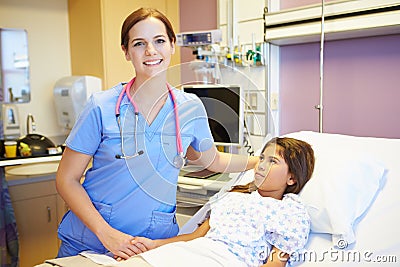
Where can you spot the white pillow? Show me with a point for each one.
(344, 183)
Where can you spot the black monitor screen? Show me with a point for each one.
(224, 111)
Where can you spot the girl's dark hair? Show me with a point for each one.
(298, 155)
(142, 14)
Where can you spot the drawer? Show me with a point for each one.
(32, 190)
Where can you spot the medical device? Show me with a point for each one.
(225, 111)
(70, 96)
(199, 38)
(9, 122)
(179, 159)
(204, 46)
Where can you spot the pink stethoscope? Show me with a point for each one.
(179, 159)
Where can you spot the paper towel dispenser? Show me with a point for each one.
(70, 96)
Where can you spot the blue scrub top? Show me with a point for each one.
(138, 195)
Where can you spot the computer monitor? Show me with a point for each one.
(225, 111)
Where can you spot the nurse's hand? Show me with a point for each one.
(120, 245)
(144, 243)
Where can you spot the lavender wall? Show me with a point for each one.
(361, 87)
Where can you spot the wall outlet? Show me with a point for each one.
(274, 101)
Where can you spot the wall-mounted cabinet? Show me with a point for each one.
(241, 21)
(342, 20)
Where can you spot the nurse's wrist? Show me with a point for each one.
(103, 230)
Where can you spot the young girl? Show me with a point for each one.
(264, 226)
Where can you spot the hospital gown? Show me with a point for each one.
(249, 224)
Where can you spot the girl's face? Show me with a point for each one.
(272, 173)
(149, 48)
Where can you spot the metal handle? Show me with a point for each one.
(48, 214)
(190, 187)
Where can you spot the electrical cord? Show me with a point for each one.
(247, 145)
(246, 142)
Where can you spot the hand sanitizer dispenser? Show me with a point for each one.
(70, 96)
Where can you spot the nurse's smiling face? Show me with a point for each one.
(149, 48)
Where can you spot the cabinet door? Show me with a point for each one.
(37, 227)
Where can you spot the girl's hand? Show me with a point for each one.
(144, 243)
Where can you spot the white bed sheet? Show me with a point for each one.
(377, 230)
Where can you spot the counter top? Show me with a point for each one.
(57, 139)
(26, 160)
(20, 180)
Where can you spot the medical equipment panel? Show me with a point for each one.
(198, 38)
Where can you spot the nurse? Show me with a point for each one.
(136, 136)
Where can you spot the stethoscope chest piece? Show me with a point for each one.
(179, 161)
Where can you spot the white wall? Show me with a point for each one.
(46, 22)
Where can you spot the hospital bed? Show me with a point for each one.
(352, 197)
